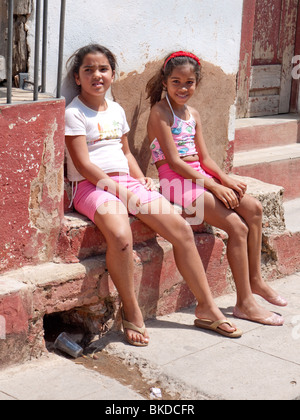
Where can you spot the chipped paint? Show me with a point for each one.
(31, 161)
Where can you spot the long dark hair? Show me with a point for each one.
(155, 85)
(75, 61)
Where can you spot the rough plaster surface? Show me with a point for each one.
(213, 99)
(31, 162)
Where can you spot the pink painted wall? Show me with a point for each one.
(31, 182)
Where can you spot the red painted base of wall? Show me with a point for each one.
(31, 182)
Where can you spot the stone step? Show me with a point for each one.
(292, 215)
(29, 294)
(264, 132)
(80, 238)
(281, 245)
(274, 165)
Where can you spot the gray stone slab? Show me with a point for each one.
(57, 378)
(292, 215)
(264, 364)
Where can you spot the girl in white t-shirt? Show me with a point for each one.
(109, 184)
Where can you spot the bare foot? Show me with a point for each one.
(255, 313)
(267, 293)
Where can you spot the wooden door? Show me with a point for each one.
(22, 11)
(267, 50)
(3, 46)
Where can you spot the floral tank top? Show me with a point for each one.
(183, 135)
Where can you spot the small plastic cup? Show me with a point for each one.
(65, 344)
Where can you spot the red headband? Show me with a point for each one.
(182, 54)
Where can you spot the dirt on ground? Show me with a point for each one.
(102, 362)
(129, 376)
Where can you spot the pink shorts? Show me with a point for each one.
(89, 198)
(179, 190)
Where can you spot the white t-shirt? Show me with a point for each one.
(103, 131)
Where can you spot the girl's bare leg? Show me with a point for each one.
(115, 227)
(216, 214)
(251, 211)
(161, 217)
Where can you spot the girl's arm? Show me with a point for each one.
(210, 166)
(78, 150)
(159, 127)
(135, 170)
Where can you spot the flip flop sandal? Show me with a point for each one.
(129, 326)
(215, 326)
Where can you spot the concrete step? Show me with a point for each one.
(292, 215)
(20, 96)
(81, 284)
(80, 238)
(264, 132)
(274, 165)
(86, 288)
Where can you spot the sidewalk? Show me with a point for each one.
(264, 364)
(55, 378)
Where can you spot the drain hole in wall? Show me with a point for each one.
(55, 324)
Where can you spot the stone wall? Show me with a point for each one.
(31, 182)
(213, 99)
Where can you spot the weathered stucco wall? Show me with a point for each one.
(31, 153)
(213, 99)
(141, 33)
(31, 182)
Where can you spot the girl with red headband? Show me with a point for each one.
(182, 159)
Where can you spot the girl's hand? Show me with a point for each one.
(131, 201)
(238, 186)
(148, 183)
(227, 196)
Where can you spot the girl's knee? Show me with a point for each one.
(120, 238)
(184, 232)
(257, 208)
(117, 233)
(238, 228)
(254, 208)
